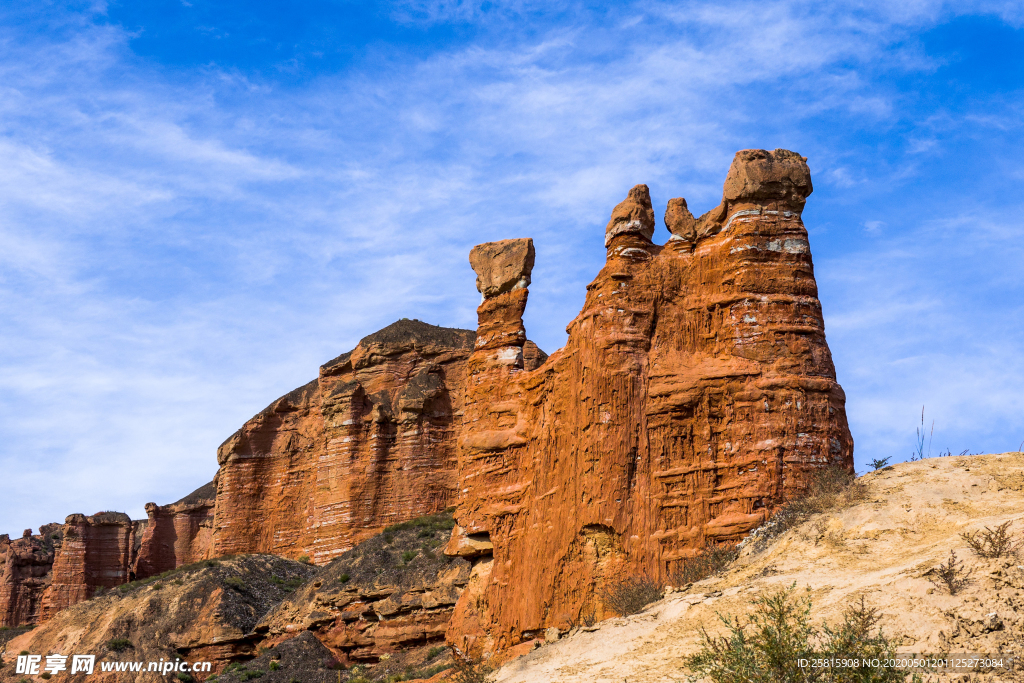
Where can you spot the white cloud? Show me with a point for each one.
(177, 253)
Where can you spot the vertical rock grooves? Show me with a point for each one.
(696, 394)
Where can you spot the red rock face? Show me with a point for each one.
(96, 551)
(696, 394)
(177, 534)
(25, 573)
(369, 443)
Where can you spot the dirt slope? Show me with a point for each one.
(881, 548)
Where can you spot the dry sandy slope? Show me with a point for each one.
(880, 548)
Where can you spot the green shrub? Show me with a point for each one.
(249, 675)
(408, 556)
(119, 644)
(767, 646)
(157, 586)
(275, 665)
(236, 582)
(304, 559)
(435, 651)
(46, 675)
(630, 595)
(344, 578)
(185, 678)
(428, 523)
(878, 464)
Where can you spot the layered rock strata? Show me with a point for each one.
(177, 534)
(97, 551)
(695, 395)
(25, 565)
(391, 593)
(370, 442)
(204, 613)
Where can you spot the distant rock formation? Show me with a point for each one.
(696, 394)
(25, 565)
(177, 534)
(96, 551)
(370, 442)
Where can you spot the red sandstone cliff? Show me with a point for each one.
(25, 573)
(695, 394)
(176, 534)
(96, 552)
(370, 442)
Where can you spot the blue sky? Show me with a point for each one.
(201, 201)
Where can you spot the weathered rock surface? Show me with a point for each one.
(176, 534)
(393, 592)
(25, 565)
(696, 393)
(97, 551)
(884, 548)
(369, 443)
(200, 613)
(502, 266)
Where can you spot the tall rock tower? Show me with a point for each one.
(695, 395)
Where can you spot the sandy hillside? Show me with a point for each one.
(880, 548)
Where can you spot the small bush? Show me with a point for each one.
(46, 675)
(630, 595)
(236, 582)
(304, 559)
(344, 578)
(408, 556)
(435, 651)
(275, 665)
(951, 575)
(878, 464)
(991, 543)
(185, 678)
(768, 645)
(119, 644)
(157, 586)
(428, 523)
(470, 671)
(711, 560)
(249, 675)
(389, 537)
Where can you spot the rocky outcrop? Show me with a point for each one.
(696, 394)
(176, 534)
(203, 613)
(370, 442)
(97, 551)
(392, 593)
(25, 565)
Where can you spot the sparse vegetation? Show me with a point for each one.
(712, 559)
(304, 559)
(408, 556)
(878, 464)
(951, 575)
(470, 670)
(435, 651)
(767, 646)
(630, 595)
(992, 543)
(119, 644)
(185, 678)
(236, 582)
(344, 578)
(275, 665)
(46, 675)
(157, 586)
(442, 521)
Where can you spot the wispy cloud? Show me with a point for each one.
(179, 248)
